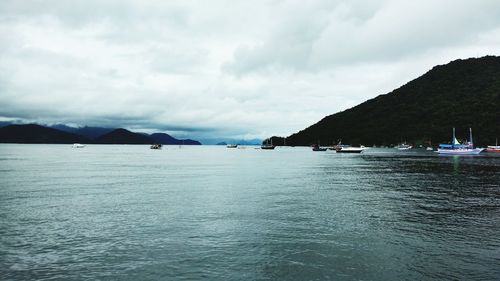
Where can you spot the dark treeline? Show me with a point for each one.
(460, 94)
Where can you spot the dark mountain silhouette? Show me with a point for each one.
(167, 139)
(5, 123)
(88, 132)
(461, 94)
(32, 133)
(122, 136)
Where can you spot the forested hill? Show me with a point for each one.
(461, 94)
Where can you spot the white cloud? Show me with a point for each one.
(224, 68)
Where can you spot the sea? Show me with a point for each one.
(127, 212)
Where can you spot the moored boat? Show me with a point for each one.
(350, 149)
(493, 148)
(156, 146)
(232, 146)
(456, 148)
(404, 146)
(78, 145)
(316, 147)
(267, 145)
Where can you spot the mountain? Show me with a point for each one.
(5, 123)
(32, 133)
(88, 132)
(461, 94)
(167, 139)
(122, 136)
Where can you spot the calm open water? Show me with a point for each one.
(126, 212)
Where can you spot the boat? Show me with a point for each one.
(338, 145)
(429, 148)
(78, 145)
(231, 146)
(267, 145)
(493, 148)
(345, 148)
(316, 147)
(456, 148)
(404, 146)
(156, 146)
(350, 149)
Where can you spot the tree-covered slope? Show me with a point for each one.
(461, 94)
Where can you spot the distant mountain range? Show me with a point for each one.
(88, 132)
(33, 133)
(461, 94)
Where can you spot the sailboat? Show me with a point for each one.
(493, 148)
(456, 148)
(267, 145)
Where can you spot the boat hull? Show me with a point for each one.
(349, 150)
(493, 149)
(474, 151)
(267, 147)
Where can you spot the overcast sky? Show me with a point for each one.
(240, 69)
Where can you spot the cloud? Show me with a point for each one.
(228, 69)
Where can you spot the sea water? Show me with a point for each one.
(126, 212)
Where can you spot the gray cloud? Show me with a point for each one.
(230, 69)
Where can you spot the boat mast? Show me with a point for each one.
(470, 136)
(453, 139)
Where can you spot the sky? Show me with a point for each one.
(227, 69)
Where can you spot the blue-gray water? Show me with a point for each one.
(211, 213)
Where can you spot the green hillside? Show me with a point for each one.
(461, 94)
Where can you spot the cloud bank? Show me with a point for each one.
(224, 68)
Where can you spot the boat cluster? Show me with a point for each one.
(455, 148)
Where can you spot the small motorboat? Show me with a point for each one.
(350, 149)
(78, 145)
(316, 147)
(156, 146)
(404, 146)
(231, 146)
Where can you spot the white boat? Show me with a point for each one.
(350, 149)
(404, 146)
(456, 148)
(78, 145)
(493, 148)
(156, 146)
(232, 146)
(429, 148)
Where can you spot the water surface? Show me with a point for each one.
(126, 212)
